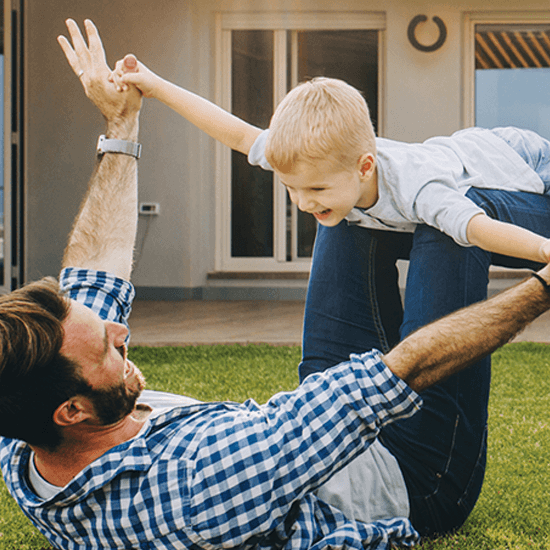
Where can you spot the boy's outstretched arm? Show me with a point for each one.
(507, 239)
(211, 119)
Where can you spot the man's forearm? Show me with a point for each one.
(104, 231)
(450, 344)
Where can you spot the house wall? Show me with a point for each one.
(422, 97)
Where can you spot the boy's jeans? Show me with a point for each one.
(353, 305)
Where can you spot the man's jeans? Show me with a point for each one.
(353, 305)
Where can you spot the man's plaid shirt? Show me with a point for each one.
(223, 475)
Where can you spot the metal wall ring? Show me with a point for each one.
(437, 44)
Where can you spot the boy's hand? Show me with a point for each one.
(131, 71)
(545, 251)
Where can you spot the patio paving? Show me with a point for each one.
(156, 323)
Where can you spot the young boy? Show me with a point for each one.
(321, 144)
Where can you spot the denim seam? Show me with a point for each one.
(371, 281)
(440, 475)
(479, 457)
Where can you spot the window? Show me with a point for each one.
(511, 72)
(261, 57)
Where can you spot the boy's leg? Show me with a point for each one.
(353, 302)
(442, 449)
(532, 148)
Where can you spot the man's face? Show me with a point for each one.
(327, 192)
(98, 347)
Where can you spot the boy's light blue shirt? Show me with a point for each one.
(426, 182)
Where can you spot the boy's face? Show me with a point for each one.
(330, 192)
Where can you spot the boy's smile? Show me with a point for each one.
(322, 216)
(329, 192)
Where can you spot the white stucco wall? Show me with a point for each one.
(422, 97)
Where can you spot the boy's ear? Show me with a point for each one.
(366, 165)
(71, 412)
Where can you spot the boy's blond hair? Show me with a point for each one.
(321, 119)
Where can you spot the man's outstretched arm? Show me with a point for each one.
(454, 342)
(104, 231)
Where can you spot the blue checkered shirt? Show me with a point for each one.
(223, 475)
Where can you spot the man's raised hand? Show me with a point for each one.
(88, 62)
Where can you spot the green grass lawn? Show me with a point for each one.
(513, 512)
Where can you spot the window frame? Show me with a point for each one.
(280, 23)
(11, 276)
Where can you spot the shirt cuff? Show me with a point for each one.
(256, 155)
(390, 396)
(107, 295)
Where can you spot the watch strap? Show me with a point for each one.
(108, 145)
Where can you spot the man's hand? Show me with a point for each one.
(89, 64)
(545, 251)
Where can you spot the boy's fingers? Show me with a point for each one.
(130, 63)
(129, 78)
(119, 67)
(115, 78)
(126, 66)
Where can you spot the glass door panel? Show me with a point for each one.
(266, 230)
(251, 186)
(351, 56)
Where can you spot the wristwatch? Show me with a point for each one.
(107, 145)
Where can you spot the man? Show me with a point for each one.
(92, 469)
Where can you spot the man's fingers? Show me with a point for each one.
(96, 46)
(87, 60)
(79, 45)
(69, 53)
(77, 52)
(83, 56)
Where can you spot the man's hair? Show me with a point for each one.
(321, 119)
(35, 378)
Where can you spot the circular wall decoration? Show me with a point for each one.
(437, 44)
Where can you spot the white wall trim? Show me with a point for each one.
(310, 20)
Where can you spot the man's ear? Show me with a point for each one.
(366, 165)
(72, 411)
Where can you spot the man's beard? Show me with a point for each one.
(117, 402)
